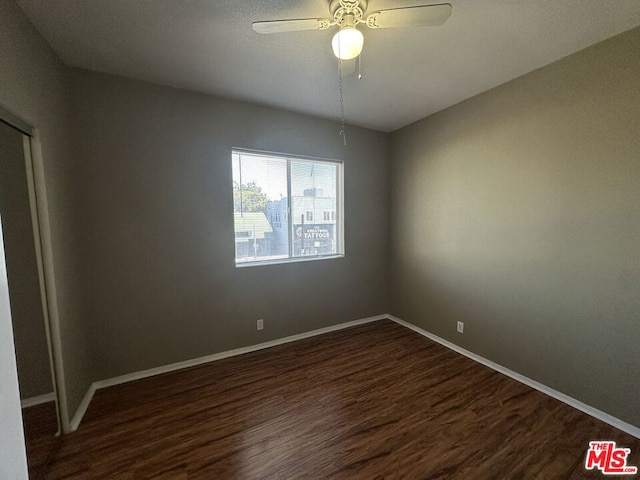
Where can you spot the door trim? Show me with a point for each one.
(34, 167)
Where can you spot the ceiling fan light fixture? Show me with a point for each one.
(347, 43)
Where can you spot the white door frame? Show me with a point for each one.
(42, 242)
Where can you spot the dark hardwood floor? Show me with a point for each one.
(371, 402)
(40, 428)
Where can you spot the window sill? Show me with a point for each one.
(310, 258)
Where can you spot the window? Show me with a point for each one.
(275, 201)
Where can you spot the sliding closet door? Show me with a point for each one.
(13, 460)
(32, 355)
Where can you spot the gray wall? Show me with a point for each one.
(30, 339)
(518, 212)
(33, 85)
(157, 225)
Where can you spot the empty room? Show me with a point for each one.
(354, 239)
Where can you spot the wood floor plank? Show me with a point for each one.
(40, 428)
(376, 401)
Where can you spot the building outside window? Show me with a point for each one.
(267, 188)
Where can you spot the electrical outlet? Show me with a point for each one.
(260, 324)
(460, 327)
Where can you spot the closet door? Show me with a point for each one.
(13, 460)
(32, 355)
(23, 277)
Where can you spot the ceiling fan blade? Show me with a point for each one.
(281, 26)
(421, 16)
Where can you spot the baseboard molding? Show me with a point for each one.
(82, 408)
(572, 402)
(130, 377)
(38, 400)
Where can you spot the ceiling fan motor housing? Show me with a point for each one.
(348, 10)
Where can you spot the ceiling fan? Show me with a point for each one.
(347, 43)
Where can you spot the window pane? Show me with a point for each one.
(285, 207)
(314, 191)
(259, 204)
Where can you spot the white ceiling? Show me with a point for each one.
(208, 46)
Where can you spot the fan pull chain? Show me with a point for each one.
(343, 132)
(360, 67)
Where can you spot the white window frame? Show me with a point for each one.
(288, 218)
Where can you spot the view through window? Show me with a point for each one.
(285, 207)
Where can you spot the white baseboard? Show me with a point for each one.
(82, 408)
(130, 377)
(572, 402)
(39, 400)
